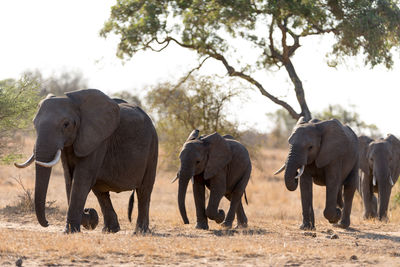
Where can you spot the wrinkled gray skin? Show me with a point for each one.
(379, 159)
(329, 152)
(107, 145)
(223, 165)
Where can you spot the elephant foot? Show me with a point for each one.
(202, 225)
(369, 215)
(241, 225)
(226, 225)
(90, 219)
(344, 224)
(333, 217)
(71, 228)
(307, 226)
(111, 229)
(141, 231)
(383, 218)
(221, 216)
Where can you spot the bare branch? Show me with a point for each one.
(190, 73)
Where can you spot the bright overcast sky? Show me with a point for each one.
(58, 35)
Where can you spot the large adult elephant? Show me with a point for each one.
(326, 153)
(380, 169)
(105, 145)
(223, 165)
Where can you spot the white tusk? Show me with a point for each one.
(51, 163)
(374, 180)
(280, 170)
(173, 180)
(391, 180)
(26, 163)
(300, 172)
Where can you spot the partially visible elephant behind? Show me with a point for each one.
(380, 169)
(326, 153)
(223, 165)
(105, 145)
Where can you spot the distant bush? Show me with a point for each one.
(199, 103)
(18, 103)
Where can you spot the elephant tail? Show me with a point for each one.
(245, 198)
(130, 205)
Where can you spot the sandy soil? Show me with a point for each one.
(272, 238)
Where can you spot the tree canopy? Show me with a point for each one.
(275, 29)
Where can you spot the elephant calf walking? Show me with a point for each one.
(223, 165)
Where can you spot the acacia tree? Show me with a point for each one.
(275, 29)
(200, 103)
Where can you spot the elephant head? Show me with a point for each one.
(379, 159)
(204, 156)
(81, 120)
(317, 142)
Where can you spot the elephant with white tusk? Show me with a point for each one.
(380, 169)
(324, 153)
(105, 145)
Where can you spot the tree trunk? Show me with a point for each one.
(298, 88)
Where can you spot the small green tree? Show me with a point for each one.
(18, 103)
(200, 103)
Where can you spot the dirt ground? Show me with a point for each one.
(272, 238)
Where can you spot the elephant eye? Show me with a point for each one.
(197, 161)
(66, 124)
(311, 147)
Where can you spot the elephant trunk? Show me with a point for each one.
(382, 176)
(291, 173)
(41, 184)
(183, 184)
(45, 151)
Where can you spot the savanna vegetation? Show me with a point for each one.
(275, 29)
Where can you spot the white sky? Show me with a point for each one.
(57, 35)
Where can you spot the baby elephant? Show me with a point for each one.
(380, 169)
(223, 165)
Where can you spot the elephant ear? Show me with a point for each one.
(363, 145)
(395, 143)
(334, 142)
(219, 154)
(193, 135)
(99, 116)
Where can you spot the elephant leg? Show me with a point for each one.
(235, 200)
(241, 216)
(340, 199)
(369, 200)
(331, 212)
(217, 191)
(80, 188)
(111, 224)
(306, 187)
(350, 187)
(200, 202)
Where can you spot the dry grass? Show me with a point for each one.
(273, 237)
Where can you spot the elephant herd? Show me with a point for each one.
(109, 145)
